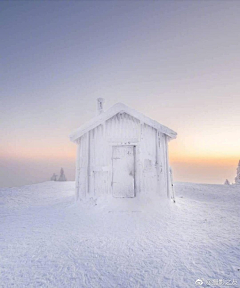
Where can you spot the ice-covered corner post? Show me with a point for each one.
(172, 185)
(100, 102)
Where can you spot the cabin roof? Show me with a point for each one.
(115, 109)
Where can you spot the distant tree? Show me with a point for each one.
(54, 177)
(237, 178)
(226, 182)
(62, 176)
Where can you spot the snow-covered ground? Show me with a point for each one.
(48, 241)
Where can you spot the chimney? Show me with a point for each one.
(100, 102)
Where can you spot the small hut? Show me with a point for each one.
(122, 153)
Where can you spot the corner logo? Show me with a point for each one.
(199, 282)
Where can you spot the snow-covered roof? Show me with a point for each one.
(120, 108)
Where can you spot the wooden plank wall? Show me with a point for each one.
(94, 160)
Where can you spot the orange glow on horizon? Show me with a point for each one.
(69, 153)
(223, 160)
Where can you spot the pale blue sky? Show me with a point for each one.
(176, 61)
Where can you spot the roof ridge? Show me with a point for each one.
(116, 108)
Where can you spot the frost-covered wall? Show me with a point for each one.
(148, 157)
(81, 177)
(99, 162)
(122, 128)
(94, 168)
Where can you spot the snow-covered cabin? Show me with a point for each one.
(122, 153)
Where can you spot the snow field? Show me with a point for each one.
(46, 240)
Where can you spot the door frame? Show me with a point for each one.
(134, 166)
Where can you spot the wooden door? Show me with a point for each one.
(123, 171)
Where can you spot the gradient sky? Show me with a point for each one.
(177, 62)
